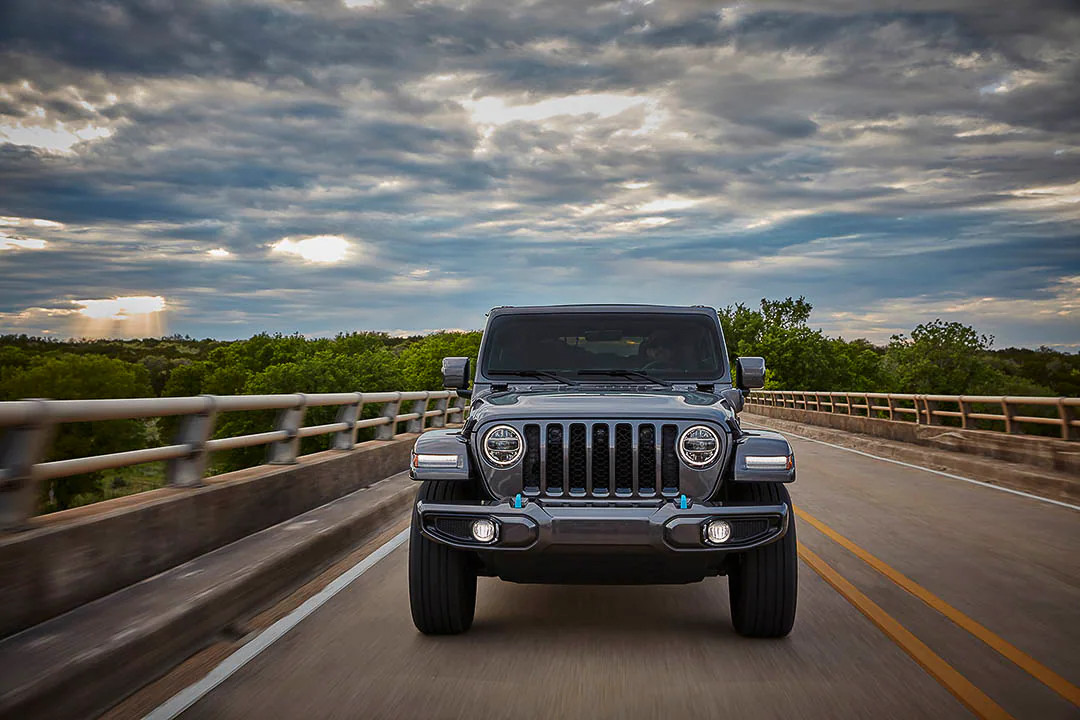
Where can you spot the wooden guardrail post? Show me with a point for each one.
(931, 407)
(1067, 414)
(1006, 411)
(965, 408)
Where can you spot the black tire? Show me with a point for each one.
(763, 584)
(442, 580)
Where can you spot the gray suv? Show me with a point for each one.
(603, 447)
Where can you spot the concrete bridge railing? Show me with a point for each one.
(29, 425)
(1064, 412)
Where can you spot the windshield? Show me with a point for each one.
(672, 346)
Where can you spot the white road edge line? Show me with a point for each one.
(187, 697)
(920, 467)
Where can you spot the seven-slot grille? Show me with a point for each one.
(600, 459)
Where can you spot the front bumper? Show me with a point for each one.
(662, 527)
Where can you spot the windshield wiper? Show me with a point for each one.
(536, 374)
(617, 372)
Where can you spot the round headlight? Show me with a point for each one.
(503, 446)
(699, 446)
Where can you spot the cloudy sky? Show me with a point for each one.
(219, 169)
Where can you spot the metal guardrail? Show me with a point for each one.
(29, 426)
(931, 409)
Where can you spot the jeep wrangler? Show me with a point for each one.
(603, 446)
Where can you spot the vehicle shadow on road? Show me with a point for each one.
(539, 611)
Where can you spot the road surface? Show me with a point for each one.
(1005, 568)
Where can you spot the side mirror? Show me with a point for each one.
(455, 372)
(750, 373)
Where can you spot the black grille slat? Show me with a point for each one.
(624, 459)
(554, 458)
(669, 463)
(601, 460)
(531, 462)
(646, 460)
(577, 472)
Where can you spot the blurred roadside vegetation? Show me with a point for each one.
(936, 357)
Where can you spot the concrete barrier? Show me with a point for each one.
(73, 557)
(1041, 452)
(84, 661)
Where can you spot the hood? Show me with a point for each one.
(608, 403)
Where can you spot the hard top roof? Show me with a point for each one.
(599, 308)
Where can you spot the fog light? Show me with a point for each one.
(717, 532)
(483, 530)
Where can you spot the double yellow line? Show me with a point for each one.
(976, 700)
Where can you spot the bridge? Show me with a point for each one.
(939, 576)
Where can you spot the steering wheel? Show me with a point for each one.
(652, 365)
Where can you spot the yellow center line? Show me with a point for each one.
(972, 697)
(1032, 666)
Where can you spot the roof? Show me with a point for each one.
(599, 308)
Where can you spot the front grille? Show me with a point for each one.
(600, 459)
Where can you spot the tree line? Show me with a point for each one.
(936, 357)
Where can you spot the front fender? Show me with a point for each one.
(441, 442)
(763, 444)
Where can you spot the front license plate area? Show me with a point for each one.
(600, 531)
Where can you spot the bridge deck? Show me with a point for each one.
(1009, 563)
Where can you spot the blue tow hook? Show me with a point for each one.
(518, 501)
(684, 502)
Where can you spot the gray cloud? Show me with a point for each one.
(891, 166)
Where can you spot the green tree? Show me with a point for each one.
(421, 361)
(947, 358)
(797, 357)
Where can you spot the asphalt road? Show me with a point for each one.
(1008, 563)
